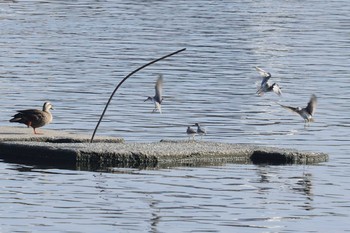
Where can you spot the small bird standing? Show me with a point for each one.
(157, 99)
(307, 112)
(191, 133)
(200, 131)
(33, 117)
(265, 86)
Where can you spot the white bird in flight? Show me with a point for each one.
(307, 112)
(157, 98)
(265, 85)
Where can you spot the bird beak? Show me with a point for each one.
(146, 99)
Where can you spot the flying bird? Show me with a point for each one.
(157, 99)
(265, 86)
(307, 112)
(33, 117)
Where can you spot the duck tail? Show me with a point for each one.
(15, 119)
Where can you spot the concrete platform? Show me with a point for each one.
(67, 150)
(8, 133)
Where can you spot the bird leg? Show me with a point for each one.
(36, 132)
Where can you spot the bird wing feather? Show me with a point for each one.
(26, 116)
(30, 111)
(311, 106)
(31, 114)
(277, 89)
(263, 73)
(159, 88)
(292, 109)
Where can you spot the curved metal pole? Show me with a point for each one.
(121, 82)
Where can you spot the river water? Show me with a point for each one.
(74, 53)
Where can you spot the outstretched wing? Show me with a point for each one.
(276, 89)
(159, 88)
(262, 72)
(266, 75)
(292, 109)
(311, 106)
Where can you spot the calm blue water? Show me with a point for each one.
(73, 53)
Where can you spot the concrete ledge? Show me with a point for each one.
(8, 133)
(105, 154)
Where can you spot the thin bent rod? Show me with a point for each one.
(121, 82)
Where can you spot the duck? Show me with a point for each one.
(306, 113)
(265, 86)
(157, 98)
(34, 118)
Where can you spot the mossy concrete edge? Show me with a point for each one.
(92, 156)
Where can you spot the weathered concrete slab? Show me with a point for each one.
(8, 133)
(104, 154)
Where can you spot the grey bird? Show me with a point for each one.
(265, 86)
(200, 130)
(191, 132)
(307, 112)
(34, 118)
(157, 98)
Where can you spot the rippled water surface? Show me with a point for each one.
(73, 53)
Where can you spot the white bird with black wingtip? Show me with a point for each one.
(265, 86)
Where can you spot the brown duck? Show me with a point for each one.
(33, 117)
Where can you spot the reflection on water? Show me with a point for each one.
(73, 53)
(216, 199)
